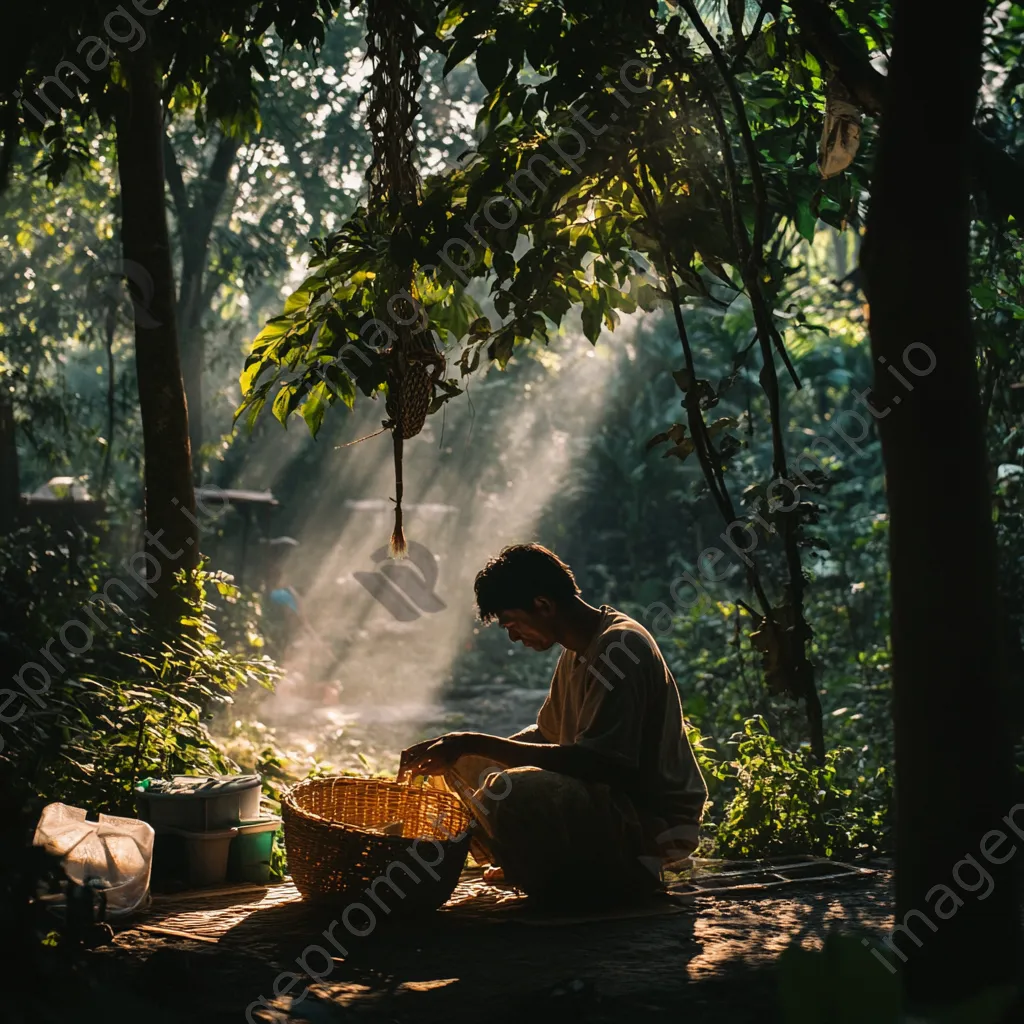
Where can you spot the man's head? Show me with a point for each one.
(527, 588)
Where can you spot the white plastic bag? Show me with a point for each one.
(116, 853)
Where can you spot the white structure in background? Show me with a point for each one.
(62, 488)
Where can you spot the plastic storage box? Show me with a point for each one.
(199, 803)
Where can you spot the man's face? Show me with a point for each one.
(534, 629)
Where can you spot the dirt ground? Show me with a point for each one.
(713, 961)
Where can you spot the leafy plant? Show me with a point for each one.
(137, 701)
(783, 802)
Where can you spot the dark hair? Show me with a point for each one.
(518, 576)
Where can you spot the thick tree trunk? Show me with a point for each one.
(172, 541)
(954, 775)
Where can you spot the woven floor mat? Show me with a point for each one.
(261, 918)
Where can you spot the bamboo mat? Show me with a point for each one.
(259, 918)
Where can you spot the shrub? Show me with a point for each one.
(780, 802)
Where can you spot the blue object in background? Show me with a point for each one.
(285, 596)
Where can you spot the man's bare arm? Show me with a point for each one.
(572, 760)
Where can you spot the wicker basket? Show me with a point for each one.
(338, 852)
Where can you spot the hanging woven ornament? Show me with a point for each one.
(413, 361)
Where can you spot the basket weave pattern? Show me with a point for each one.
(336, 850)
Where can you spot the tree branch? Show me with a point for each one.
(176, 183)
(749, 41)
(750, 249)
(756, 177)
(215, 185)
(751, 253)
(709, 459)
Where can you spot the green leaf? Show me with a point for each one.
(253, 404)
(491, 65)
(805, 220)
(314, 406)
(985, 294)
(721, 424)
(680, 451)
(469, 360)
(500, 350)
(591, 316)
(285, 401)
(298, 300)
(676, 433)
(811, 63)
(463, 47)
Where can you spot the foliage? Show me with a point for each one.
(133, 702)
(61, 303)
(783, 802)
(208, 54)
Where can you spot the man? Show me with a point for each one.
(604, 789)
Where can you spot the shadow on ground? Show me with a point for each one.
(710, 962)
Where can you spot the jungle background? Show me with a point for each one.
(745, 220)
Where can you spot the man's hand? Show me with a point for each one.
(433, 757)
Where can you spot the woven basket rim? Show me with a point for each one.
(288, 799)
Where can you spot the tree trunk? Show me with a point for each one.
(172, 535)
(195, 220)
(109, 327)
(954, 767)
(193, 350)
(10, 486)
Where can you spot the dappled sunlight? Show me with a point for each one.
(368, 672)
(758, 931)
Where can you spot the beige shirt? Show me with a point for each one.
(619, 699)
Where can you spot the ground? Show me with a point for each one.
(711, 962)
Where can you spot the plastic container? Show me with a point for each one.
(206, 853)
(249, 859)
(114, 853)
(199, 803)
